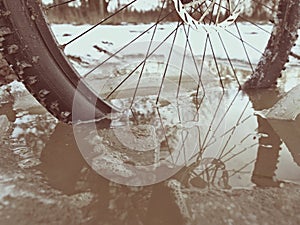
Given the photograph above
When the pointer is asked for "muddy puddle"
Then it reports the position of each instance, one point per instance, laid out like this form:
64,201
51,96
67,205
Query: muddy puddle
226,144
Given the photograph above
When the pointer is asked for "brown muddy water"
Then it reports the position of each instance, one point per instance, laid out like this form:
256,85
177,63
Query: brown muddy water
236,153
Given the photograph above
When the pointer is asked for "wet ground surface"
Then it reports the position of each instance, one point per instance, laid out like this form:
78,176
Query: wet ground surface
253,179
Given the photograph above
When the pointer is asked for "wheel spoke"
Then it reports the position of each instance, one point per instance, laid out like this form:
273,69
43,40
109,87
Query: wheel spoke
244,47
203,60
244,42
58,4
141,63
199,74
183,63
147,54
129,43
229,60
216,62
168,61
214,118
165,134
99,23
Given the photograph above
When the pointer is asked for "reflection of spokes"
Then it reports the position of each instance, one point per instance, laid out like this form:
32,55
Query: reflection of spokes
205,118
228,147
209,173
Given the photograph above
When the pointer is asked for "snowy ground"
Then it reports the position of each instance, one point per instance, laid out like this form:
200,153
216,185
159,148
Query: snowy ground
111,38
98,45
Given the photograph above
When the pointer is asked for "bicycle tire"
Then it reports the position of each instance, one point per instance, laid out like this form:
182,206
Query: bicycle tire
279,46
42,66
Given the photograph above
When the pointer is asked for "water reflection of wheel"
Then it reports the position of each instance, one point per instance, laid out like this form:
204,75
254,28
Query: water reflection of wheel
207,173
42,64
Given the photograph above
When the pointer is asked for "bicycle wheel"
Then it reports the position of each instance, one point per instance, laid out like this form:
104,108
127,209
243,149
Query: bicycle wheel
209,42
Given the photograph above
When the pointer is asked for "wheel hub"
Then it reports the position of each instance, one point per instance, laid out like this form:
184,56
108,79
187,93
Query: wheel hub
204,13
